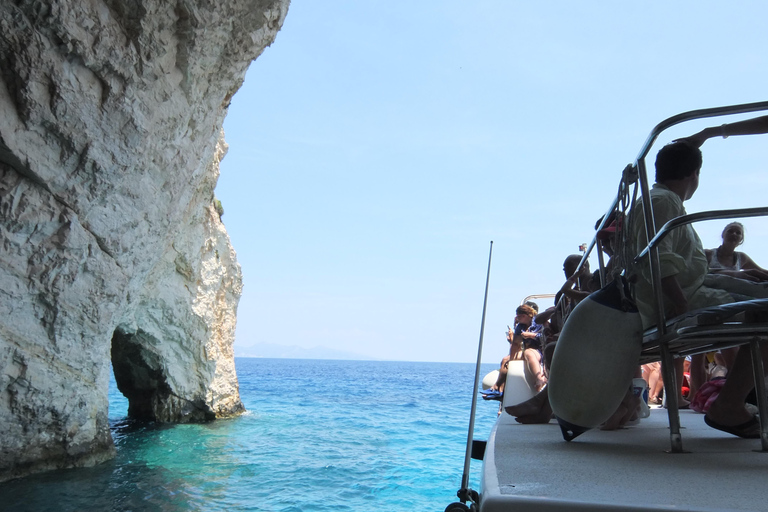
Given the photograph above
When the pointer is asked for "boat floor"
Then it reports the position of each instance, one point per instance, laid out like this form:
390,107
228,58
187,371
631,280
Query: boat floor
531,467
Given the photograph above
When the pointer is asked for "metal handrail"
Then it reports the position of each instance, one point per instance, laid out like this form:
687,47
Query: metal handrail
655,263
639,163
651,250
744,108
538,296
696,217
650,225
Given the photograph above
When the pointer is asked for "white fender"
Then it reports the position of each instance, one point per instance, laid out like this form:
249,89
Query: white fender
595,358
516,390
490,379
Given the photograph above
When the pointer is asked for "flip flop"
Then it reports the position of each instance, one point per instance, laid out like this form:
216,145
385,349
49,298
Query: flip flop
492,395
747,430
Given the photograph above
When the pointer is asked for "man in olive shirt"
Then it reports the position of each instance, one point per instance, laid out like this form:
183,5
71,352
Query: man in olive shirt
684,278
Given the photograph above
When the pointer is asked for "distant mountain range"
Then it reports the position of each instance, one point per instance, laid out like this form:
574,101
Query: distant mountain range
270,350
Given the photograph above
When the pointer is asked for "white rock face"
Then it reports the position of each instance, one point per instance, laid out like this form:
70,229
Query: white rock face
110,138
172,350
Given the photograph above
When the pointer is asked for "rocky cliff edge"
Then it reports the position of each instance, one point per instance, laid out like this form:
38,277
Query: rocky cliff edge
112,247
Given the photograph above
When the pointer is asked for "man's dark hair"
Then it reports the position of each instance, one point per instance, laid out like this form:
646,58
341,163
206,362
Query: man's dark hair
570,264
676,161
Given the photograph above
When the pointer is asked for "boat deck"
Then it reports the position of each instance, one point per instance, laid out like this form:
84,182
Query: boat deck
531,467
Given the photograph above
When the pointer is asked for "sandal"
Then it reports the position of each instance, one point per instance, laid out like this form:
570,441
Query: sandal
748,430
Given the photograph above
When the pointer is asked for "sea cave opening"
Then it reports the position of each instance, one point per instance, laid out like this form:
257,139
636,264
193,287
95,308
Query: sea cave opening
138,374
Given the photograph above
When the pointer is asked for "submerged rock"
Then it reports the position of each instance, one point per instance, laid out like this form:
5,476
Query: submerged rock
112,243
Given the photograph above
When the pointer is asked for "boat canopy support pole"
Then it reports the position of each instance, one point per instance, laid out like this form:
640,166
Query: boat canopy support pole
671,395
667,360
762,402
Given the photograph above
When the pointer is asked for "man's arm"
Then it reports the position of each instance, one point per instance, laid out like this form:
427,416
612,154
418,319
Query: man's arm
748,263
754,126
568,290
548,313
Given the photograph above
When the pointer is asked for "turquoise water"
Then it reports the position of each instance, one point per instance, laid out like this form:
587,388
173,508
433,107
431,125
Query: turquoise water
318,435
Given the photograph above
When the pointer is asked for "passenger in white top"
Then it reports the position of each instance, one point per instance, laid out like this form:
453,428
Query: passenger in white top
726,260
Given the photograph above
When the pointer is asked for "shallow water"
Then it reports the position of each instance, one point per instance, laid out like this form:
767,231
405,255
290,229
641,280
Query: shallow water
318,435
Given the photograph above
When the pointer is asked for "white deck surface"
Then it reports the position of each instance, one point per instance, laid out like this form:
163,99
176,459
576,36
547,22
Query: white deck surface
531,468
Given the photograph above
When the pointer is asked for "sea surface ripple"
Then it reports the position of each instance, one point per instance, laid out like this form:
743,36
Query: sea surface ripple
319,435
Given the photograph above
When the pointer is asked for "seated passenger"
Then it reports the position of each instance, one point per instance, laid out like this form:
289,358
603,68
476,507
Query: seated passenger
537,409
573,291
726,260
604,239
516,341
528,336
576,286
684,269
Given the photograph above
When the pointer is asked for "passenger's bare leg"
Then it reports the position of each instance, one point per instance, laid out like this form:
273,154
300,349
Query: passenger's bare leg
533,410
652,373
626,411
502,378
698,374
647,370
657,389
728,408
727,357
534,372
679,373
677,387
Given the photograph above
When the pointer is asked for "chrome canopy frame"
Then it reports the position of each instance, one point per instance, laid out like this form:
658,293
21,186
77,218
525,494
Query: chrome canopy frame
637,170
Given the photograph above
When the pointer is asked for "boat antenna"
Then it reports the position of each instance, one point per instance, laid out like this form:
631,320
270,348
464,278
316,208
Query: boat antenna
465,493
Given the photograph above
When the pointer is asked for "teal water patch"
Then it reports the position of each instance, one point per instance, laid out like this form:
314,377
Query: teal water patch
318,436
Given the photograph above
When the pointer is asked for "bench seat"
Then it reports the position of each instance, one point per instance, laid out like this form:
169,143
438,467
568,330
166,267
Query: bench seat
708,329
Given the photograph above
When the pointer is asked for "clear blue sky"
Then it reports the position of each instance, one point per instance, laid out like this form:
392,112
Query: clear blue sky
377,147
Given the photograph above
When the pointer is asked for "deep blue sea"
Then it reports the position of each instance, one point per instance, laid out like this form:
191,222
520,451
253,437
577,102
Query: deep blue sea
319,435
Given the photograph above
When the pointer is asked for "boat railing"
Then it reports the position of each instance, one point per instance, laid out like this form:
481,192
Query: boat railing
667,356
537,296
667,228
637,170
669,339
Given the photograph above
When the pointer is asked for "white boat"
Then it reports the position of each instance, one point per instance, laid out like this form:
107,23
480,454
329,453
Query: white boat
645,466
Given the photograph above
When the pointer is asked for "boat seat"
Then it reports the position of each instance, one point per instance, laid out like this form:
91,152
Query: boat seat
708,329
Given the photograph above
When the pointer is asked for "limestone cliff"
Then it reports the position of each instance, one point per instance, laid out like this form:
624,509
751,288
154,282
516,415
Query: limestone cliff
112,249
